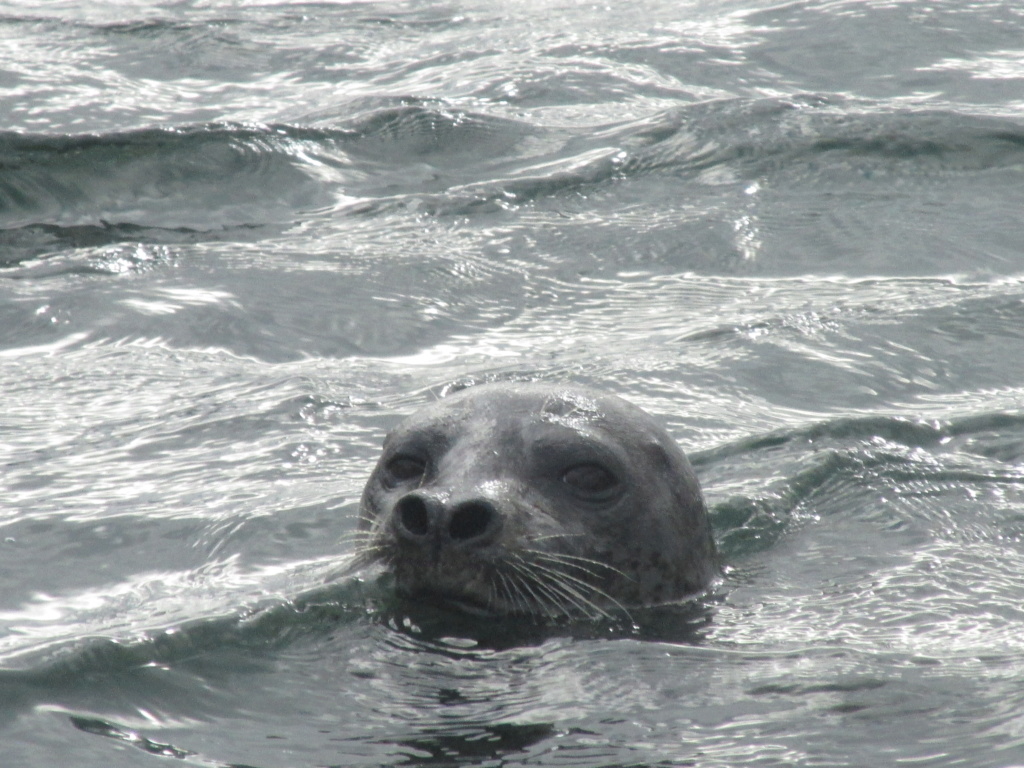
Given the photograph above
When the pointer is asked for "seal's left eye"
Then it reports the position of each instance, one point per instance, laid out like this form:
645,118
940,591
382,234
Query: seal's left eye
590,480
402,469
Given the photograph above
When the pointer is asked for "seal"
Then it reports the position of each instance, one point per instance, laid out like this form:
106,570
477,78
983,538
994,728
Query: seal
526,498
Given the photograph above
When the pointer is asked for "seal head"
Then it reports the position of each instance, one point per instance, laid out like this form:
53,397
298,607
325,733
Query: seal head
537,499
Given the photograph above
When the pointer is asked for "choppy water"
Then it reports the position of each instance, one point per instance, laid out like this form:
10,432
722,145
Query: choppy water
239,240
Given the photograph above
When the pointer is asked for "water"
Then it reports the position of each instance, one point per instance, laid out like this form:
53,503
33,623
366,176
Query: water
238,241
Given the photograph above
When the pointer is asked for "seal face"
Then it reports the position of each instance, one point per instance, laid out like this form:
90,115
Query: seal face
537,499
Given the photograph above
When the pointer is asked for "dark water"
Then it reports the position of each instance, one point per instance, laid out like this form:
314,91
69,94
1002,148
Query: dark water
238,241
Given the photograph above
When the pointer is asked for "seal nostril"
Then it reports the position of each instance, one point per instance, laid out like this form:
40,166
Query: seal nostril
413,515
471,520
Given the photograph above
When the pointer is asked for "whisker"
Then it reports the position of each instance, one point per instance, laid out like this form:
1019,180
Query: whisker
515,597
562,557
555,561
492,590
548,536
528,583
557,597
564,584
585,585
357,537
368,545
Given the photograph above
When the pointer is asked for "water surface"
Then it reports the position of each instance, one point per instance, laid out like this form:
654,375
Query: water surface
240,240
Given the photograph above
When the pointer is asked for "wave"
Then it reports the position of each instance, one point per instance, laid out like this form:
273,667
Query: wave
216,181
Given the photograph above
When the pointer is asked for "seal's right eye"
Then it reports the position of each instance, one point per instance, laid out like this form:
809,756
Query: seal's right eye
403,469
591,480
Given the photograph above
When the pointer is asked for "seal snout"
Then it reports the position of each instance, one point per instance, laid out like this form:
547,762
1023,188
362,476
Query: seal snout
424,518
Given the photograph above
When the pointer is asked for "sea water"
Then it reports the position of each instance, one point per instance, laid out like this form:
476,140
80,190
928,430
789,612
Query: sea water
240,240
